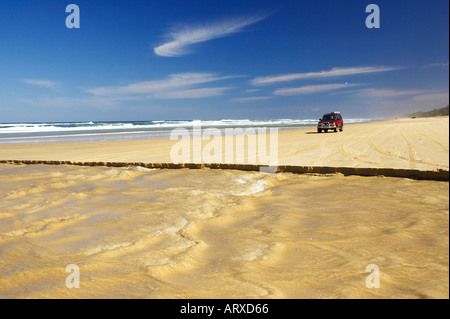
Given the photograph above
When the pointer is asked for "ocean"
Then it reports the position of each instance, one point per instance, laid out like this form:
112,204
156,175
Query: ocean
94,131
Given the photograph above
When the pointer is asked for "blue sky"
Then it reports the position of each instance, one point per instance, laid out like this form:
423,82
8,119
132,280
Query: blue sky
186,59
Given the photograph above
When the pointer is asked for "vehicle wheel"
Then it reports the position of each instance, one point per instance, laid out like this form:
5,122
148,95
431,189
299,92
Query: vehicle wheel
342,128
335,130
319,130
326,131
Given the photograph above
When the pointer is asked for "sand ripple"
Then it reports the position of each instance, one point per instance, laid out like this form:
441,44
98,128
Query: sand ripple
139,233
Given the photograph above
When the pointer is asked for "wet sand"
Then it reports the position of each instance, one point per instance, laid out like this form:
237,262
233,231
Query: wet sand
140,233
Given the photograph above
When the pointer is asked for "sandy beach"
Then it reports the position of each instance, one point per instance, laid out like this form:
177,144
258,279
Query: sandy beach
252,154
150,233
421,144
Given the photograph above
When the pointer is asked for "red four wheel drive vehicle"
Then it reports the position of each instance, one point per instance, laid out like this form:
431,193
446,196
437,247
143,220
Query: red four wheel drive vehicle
331,121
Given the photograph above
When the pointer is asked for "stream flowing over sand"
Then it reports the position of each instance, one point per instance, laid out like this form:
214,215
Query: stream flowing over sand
140,233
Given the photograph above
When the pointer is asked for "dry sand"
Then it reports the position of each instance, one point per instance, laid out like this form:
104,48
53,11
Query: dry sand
421,144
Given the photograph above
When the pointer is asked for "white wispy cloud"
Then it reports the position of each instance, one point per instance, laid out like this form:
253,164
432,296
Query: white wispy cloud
390,93
175,86
334,72
192,93
173,81
61,102
251,99
180,39
402,103
312,89
429,100
437,65
42,83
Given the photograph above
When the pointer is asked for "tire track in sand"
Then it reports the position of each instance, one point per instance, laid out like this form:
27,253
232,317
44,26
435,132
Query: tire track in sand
446,149
322,155
411,159
354,158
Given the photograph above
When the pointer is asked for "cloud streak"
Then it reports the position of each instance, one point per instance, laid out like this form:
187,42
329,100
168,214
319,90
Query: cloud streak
251,99
42,83
175,86
334,72
192,93
312,89
437,65
182,38
390,93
